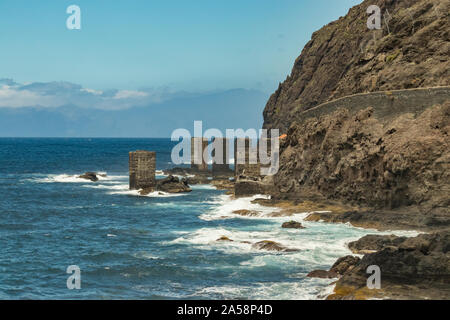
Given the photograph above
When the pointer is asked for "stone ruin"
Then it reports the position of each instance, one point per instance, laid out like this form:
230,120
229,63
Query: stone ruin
221,167
246,158
198,148
142,166
247,170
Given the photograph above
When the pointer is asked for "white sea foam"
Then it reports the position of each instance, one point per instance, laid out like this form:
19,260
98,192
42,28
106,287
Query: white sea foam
155,194
144,255
324,293
114,183
319,245
75,178
314,247
122,187
295,290
226,205
62,178
203,187
160,173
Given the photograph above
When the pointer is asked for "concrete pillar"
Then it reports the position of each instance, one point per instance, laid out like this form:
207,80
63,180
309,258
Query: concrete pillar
142,166
220,165
242,150
198,146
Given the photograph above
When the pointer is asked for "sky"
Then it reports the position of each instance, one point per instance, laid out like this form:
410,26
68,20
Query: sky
143,68
180,45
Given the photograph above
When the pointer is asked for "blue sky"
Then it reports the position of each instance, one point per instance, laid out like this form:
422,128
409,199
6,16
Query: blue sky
197,45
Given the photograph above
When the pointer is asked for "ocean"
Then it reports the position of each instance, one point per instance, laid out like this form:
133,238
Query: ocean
143,247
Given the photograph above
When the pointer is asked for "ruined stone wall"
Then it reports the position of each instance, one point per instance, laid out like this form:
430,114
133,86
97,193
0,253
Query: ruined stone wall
142,166
242,150
198,147
221,166
386,104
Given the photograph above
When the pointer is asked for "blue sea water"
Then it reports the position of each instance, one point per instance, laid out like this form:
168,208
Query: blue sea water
142,247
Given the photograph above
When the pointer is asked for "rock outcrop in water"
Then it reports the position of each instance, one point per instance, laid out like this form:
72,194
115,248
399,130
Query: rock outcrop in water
247,213
170,184
272,246
92,176
292,225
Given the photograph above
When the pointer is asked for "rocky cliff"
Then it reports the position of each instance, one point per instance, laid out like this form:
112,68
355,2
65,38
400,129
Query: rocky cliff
357,158
380,150
345,57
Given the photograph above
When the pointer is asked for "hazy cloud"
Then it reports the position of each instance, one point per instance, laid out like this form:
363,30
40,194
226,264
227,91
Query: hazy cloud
56,94
125,94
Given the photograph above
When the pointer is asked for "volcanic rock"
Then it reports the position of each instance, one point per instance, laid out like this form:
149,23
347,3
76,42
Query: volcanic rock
92,176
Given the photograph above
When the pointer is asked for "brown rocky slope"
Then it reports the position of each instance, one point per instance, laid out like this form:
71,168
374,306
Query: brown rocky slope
345,57
357,159
359,134
390,150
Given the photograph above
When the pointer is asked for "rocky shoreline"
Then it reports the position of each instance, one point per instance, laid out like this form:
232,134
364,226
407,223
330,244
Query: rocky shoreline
366,120
411,268
365,117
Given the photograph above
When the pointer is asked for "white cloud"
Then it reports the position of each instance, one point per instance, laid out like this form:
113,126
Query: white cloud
127,94
96,92
56,94
14,98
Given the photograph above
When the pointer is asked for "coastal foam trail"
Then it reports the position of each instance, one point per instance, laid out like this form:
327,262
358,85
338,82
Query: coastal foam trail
319,245
226,205
308,289
178,236
75,178
117,184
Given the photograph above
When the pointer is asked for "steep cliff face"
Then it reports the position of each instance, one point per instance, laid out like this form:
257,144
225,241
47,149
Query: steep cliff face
345,57
361,160
385,150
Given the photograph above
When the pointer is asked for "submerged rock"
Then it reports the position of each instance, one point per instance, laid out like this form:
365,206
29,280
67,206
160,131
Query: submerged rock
170,184
292,225
92,176
247,213
224,238
272,246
